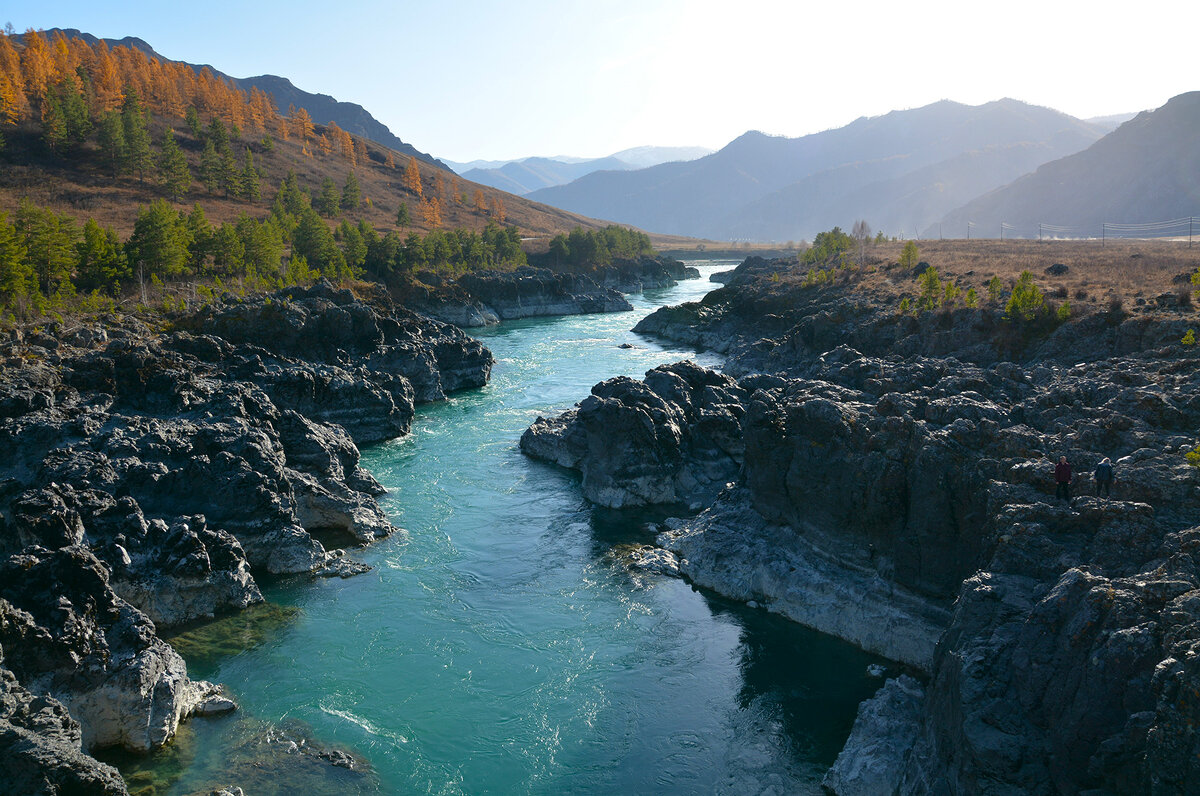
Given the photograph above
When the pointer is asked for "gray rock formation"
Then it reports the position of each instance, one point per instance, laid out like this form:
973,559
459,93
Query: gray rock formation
902,499
148,477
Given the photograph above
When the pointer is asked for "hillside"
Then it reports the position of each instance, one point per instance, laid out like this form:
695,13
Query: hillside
713,196
78,180
323,108
1144,171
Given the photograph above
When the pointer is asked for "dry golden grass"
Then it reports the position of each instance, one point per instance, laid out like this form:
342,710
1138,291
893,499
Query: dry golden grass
80,185
1133,272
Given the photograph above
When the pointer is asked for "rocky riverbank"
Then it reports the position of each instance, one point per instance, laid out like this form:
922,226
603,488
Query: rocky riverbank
150,476
891,482
482,298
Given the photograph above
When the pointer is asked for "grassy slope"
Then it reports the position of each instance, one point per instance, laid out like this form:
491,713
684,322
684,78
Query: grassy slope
81,185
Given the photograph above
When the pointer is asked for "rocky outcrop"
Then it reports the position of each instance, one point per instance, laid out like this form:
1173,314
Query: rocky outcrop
42,747
902,498
482,298
150,475
67,635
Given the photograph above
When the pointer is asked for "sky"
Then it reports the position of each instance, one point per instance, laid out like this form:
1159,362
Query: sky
467,79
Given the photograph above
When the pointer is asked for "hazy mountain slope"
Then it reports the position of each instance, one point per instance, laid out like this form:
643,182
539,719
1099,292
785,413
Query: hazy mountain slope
705,196
323,108
1146,170
888,195
530,174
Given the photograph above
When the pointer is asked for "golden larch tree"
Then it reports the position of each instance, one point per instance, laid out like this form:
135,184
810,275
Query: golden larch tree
412,177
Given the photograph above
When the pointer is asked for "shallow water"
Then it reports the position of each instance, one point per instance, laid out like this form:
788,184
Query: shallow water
501,645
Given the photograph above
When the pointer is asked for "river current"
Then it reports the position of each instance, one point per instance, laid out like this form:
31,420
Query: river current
501,645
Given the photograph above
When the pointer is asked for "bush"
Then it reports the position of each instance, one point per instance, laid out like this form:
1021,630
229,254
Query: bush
905,306
972,299
1193,456
1026,299
1189,339
994,286
1064,312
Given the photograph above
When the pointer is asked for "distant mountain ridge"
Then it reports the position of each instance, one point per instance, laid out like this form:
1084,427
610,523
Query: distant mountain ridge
525,175
351,117
1144,171
766,187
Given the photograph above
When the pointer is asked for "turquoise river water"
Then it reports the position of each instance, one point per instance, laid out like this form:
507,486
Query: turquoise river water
500,645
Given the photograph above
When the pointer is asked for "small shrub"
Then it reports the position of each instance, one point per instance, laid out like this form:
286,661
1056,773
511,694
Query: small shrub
1184,298
972,298
1026,299
1064,312
905,306
950,294
995,287
1116,305
1080,294
1193,456
1189,339
932,293
1061,292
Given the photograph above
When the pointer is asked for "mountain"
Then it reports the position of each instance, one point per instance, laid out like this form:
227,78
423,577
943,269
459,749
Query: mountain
1144,171
1112,121
530,174
323,108
775,188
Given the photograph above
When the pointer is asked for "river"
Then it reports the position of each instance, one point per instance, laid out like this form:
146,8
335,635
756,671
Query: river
501,645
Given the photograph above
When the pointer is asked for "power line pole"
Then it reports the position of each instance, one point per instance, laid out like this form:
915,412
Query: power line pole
1103,233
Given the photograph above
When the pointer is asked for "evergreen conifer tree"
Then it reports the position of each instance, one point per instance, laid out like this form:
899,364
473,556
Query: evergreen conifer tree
328,199
112,139
250,185
173,171
137,139
351,194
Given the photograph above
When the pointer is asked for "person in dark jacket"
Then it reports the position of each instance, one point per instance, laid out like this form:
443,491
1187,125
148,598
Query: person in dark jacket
1062,479
1104,477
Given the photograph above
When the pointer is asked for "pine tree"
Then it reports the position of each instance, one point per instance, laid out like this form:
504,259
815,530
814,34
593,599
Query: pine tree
210,167
137,139
54,125
101,263
49,241
227,173
17,280
156,247
173,171
250,181
403,219
351,194
192,118
329,199
218,134
112,139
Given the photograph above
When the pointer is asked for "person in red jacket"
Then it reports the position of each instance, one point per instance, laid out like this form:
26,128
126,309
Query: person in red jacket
1062,479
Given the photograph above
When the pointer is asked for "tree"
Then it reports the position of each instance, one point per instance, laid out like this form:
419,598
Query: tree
112,139
313,241
403,218
101,263
559,249
249,179
412,177
137,139
861,232
156,247
210,167
910,255
49,241
351,194
173,171
329,199
192,119
17,280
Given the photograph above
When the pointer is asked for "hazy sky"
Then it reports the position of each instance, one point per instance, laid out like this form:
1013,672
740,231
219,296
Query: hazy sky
465,80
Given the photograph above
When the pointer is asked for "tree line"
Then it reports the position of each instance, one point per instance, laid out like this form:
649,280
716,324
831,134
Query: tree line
48,262
597,247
